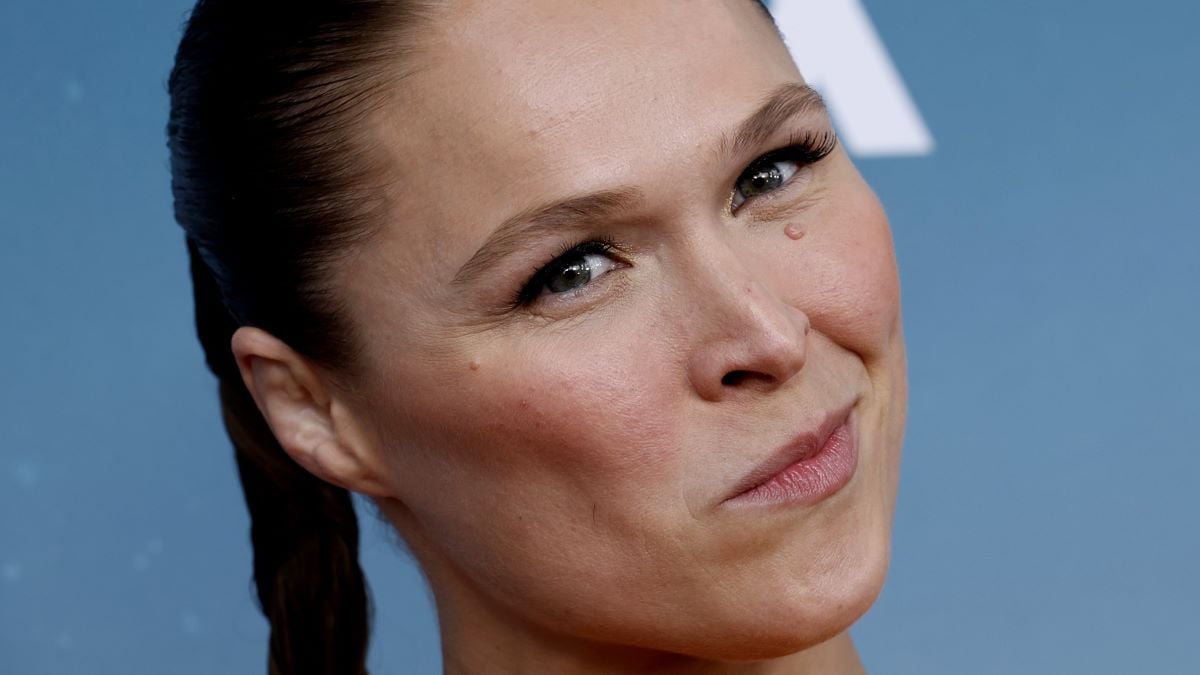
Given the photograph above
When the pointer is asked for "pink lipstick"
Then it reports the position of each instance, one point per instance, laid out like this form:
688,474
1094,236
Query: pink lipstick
814,466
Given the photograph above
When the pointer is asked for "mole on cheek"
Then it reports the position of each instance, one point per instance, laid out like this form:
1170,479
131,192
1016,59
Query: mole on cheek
794,231
474,364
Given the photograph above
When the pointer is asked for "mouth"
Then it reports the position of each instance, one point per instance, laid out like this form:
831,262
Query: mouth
813,466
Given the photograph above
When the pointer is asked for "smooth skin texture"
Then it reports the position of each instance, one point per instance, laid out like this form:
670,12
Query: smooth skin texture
559,466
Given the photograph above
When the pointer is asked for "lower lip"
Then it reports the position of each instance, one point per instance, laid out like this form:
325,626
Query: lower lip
811,479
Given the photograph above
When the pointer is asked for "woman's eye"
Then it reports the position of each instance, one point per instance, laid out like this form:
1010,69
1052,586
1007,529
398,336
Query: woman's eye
571,271
576,273
765,175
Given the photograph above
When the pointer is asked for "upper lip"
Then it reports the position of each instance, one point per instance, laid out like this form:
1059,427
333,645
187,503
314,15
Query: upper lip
803,445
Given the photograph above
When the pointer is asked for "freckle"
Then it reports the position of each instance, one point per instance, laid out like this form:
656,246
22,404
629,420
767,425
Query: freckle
794,231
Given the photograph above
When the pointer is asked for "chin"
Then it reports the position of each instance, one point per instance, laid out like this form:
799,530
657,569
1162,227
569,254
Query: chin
823,601
789,615
805,622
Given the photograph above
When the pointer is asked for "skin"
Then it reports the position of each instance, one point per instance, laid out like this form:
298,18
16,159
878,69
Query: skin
559,468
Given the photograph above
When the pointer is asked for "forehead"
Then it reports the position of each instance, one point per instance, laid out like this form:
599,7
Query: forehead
517,102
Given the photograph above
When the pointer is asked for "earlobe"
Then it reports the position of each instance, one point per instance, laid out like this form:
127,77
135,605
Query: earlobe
311,425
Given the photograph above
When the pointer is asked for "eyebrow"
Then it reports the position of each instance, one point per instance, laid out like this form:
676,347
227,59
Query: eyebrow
785,102
554,217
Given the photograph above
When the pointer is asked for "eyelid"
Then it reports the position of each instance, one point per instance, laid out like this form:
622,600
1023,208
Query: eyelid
531,290
806,148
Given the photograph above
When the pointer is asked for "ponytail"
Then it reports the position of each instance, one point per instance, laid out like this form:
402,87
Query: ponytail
275,176
304,531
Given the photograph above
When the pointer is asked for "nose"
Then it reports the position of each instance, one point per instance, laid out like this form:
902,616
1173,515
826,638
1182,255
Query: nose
754,341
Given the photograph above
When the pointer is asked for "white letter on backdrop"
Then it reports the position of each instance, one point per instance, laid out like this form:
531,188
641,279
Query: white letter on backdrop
840,54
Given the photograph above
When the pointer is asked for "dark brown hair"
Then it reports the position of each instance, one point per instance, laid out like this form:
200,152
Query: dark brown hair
275,180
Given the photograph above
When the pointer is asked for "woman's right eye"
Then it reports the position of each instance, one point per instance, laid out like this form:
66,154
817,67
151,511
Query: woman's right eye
570,271
578,273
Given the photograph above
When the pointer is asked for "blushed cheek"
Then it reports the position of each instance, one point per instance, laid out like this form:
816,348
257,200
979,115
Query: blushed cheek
855,297
596,410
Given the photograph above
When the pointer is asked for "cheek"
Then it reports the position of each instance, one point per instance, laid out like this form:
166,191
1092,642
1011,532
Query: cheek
561,442
583,406
568,416
846,280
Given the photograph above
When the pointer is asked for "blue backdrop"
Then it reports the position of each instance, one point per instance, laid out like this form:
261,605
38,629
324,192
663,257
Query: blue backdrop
1047,514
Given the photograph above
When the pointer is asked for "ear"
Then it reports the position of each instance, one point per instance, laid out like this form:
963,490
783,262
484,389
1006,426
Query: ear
307,415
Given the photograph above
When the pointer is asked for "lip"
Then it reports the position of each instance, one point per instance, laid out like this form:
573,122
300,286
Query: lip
813,466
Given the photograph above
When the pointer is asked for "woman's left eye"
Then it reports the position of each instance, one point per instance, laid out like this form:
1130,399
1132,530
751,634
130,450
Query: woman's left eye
776,169
764,175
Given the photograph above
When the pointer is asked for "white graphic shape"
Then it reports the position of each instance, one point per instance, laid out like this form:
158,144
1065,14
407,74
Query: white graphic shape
840,54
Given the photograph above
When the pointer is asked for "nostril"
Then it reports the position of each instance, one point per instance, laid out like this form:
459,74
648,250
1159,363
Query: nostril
744,378
735,377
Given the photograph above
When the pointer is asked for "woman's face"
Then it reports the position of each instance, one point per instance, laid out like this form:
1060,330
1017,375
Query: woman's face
560,440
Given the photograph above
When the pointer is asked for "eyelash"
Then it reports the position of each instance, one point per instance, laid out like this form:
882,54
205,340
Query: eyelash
805,149
533,288
809,147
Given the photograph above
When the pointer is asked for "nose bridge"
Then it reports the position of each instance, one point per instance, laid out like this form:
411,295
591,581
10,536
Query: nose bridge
744,333
729,282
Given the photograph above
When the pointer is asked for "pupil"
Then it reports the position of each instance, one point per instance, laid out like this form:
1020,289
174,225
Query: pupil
571,277
762,180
